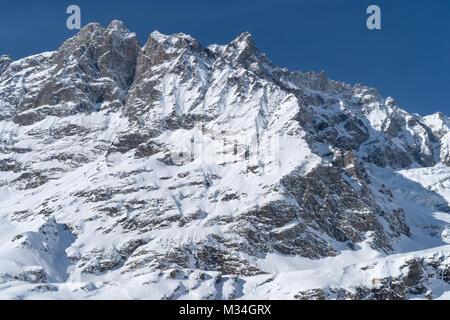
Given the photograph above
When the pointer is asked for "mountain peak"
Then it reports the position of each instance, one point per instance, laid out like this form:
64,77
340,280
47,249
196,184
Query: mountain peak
241,49
160,37
118,27
116,24
90,28
244,42
437,122
245,38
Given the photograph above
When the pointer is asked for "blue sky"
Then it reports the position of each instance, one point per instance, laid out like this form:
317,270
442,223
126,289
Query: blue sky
408,59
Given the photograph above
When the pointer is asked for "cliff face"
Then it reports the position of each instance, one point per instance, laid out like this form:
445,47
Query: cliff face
173,163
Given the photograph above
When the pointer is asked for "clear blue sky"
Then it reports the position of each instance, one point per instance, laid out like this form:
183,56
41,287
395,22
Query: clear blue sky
408,59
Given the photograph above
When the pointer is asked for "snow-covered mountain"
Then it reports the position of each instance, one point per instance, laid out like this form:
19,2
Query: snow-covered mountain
174,171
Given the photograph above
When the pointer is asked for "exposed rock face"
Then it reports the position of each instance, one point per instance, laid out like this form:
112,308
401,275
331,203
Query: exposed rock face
439,126
4,62
416,276
94,69
173,160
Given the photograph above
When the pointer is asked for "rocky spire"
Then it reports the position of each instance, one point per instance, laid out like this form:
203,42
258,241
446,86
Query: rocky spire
5,60
241,49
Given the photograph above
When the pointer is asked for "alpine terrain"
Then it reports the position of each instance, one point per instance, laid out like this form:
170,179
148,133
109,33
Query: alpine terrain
175,171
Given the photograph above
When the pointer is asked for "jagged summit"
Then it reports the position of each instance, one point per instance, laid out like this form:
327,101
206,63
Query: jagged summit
244,41
158,36
177,171
118,25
